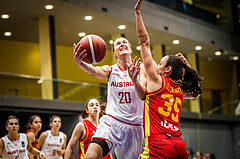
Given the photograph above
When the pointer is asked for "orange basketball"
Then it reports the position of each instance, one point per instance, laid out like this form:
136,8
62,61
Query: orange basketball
96,48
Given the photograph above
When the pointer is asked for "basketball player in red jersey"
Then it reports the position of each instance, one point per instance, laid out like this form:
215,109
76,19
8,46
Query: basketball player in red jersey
84,130
34,126
167,83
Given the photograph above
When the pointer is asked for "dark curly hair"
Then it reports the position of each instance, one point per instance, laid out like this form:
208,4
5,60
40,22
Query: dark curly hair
186,77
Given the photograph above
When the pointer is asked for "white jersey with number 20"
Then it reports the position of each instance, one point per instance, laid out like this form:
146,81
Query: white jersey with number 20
123,102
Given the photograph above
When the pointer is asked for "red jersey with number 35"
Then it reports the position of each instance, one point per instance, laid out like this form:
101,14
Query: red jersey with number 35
162,109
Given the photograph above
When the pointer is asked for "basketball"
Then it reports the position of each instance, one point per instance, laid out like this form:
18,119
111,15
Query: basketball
96,48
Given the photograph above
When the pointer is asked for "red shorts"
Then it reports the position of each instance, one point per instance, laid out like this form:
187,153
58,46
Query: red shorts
164,147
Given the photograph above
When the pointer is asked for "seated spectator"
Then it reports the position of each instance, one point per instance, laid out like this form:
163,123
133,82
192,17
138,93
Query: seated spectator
206,156
198,155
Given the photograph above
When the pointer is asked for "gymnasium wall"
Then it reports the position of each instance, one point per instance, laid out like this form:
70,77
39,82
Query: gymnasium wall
23,58
19,57
221,77
209,137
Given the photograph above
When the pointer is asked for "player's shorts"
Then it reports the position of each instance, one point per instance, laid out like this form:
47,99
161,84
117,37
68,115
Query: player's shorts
164,147
125,138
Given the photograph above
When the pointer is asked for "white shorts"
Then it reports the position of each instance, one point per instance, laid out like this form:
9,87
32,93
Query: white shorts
126,139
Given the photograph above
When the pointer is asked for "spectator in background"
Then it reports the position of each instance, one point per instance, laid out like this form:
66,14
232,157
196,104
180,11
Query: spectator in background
34,126
53,142
198,155
206,156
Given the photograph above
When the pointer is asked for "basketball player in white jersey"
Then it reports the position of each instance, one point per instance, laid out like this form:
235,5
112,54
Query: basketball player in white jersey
53,142
121,129
16,145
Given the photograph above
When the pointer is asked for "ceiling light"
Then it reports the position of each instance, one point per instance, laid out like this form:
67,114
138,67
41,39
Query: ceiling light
4,16
218,16
218,53
88,17
138,48
49,7
110,41
198,47
235,58
121,27
7,33
176,41
82,34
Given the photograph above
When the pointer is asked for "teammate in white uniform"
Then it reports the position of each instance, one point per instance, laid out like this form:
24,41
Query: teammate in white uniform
121,128
16,145
16,148
53,142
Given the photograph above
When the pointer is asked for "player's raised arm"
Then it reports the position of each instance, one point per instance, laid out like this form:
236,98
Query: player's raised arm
79,54
144,41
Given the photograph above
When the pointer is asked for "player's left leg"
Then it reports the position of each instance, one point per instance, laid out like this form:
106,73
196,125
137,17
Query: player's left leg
94,151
